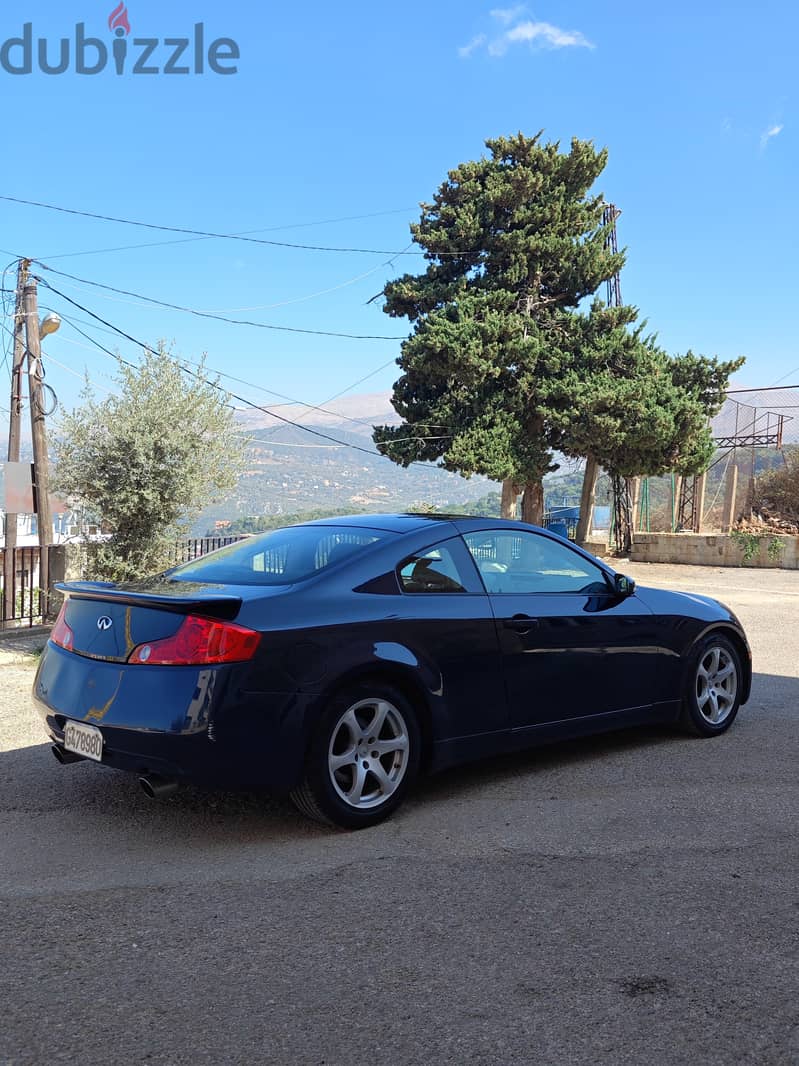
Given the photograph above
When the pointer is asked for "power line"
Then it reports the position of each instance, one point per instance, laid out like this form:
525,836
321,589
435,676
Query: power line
137,299
45,386
75,344
239,233
141,301
290,400
219,388
303,299
69,370
100,329
7,295
242,381
206,233
215,385
283,444
207,314
329,447
776,384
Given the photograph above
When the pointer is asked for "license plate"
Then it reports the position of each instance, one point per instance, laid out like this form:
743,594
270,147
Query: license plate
84,740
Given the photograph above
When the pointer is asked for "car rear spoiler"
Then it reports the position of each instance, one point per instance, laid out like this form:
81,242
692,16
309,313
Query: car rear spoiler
190,599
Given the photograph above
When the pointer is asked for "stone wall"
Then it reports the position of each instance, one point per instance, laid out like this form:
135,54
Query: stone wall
720,549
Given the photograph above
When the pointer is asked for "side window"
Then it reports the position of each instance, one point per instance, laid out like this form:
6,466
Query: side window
511,562
433,570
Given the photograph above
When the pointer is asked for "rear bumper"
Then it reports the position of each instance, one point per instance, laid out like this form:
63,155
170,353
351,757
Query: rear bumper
194,725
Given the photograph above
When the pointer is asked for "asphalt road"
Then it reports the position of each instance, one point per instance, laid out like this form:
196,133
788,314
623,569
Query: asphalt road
631,899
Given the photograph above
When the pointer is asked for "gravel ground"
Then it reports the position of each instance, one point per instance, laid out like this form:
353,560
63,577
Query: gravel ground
627,899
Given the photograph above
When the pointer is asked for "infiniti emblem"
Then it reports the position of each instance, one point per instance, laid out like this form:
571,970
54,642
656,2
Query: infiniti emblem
104,622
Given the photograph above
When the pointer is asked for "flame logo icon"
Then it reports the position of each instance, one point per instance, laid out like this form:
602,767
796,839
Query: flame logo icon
118,20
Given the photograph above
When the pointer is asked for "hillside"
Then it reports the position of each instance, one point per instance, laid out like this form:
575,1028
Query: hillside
292,470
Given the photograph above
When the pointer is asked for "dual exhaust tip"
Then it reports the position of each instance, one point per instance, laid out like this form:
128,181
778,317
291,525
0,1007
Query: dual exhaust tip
152,785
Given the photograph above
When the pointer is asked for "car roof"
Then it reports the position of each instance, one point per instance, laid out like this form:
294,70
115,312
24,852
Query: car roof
390,523
410,522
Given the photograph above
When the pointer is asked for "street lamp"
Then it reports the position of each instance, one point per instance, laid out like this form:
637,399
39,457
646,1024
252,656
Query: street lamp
49,324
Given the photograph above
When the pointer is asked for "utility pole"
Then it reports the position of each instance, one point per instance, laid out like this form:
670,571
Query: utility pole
14,432
41,466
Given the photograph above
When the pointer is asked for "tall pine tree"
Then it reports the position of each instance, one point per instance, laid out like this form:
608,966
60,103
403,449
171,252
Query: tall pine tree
632,407
503,369
515,242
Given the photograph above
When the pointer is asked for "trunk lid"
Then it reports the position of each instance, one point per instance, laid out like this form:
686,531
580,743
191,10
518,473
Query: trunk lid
108,621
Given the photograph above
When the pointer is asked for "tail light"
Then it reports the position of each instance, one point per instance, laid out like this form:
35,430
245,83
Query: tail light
198,642
62,634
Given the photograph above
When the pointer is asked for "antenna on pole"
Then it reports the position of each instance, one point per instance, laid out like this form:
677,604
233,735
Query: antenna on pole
609,216
623,507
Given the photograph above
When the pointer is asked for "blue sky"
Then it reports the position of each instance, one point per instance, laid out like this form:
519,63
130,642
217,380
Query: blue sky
359,109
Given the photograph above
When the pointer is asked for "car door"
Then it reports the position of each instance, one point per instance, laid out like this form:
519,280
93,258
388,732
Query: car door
571,646
446,617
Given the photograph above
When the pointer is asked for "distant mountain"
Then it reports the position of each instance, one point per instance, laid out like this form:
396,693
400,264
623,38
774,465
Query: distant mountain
357,414
292,469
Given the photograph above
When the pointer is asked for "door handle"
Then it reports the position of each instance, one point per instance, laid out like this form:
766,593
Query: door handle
521,623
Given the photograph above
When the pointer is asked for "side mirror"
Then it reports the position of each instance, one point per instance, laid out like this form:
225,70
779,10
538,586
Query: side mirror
625,586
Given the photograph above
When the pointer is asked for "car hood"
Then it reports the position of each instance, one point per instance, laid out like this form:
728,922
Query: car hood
666,601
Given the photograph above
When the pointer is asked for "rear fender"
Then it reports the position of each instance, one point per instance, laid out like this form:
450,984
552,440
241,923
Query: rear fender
395,665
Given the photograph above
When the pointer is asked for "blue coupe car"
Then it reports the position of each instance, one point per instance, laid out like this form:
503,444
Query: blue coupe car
335,661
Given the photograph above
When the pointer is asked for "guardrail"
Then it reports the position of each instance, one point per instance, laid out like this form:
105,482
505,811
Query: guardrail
194,547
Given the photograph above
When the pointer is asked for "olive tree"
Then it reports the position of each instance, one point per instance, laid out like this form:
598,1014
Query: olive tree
147,460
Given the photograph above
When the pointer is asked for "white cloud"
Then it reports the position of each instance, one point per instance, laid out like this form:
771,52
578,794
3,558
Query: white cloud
507,15
543,33
530,32
475,42
772,131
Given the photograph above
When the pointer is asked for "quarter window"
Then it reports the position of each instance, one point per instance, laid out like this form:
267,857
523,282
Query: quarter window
520,562
434,570
281,557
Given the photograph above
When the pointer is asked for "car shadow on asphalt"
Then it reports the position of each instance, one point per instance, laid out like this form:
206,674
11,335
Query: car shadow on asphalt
773,695
31,781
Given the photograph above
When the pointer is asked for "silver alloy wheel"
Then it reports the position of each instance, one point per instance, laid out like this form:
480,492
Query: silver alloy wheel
368,753
716,684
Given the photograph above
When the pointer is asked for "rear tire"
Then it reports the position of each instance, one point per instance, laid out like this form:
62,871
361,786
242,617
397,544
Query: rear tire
363,758
713,685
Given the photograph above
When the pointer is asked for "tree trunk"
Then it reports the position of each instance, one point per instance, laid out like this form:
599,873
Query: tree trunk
533,502
509,494
587,499
635,502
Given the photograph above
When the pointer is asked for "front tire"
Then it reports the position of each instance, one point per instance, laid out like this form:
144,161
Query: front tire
363,758
713,687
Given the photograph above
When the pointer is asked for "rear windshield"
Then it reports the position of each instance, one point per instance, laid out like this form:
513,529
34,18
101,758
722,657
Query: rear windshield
279,558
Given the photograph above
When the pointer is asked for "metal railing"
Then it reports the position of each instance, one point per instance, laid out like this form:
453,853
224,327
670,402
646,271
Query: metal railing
20,595
562,520
194,547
